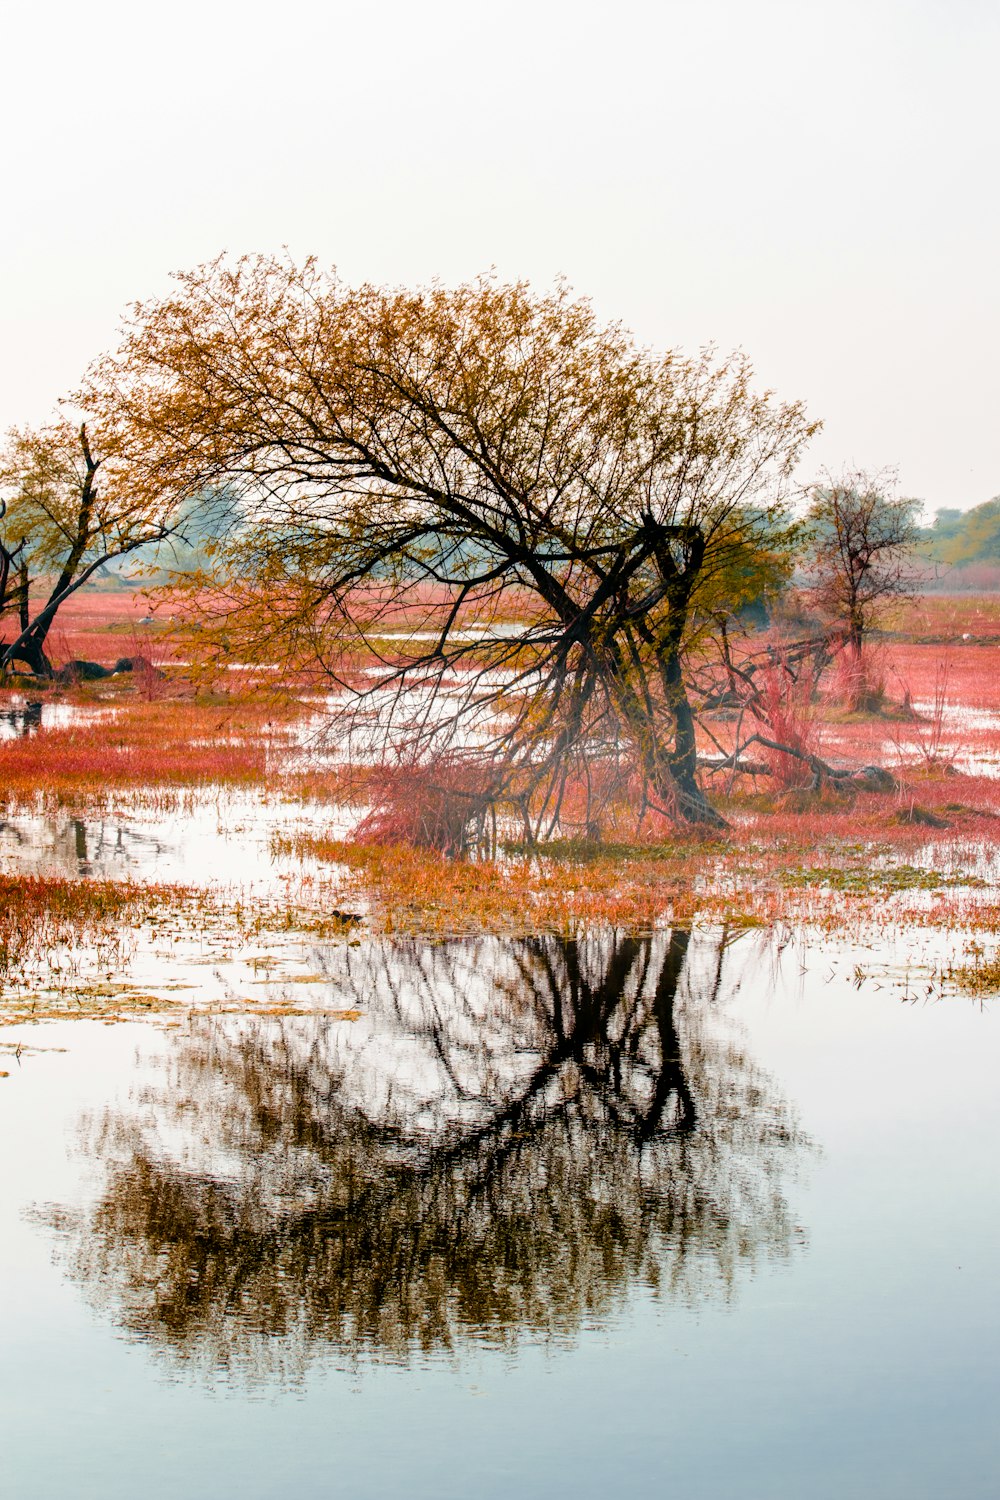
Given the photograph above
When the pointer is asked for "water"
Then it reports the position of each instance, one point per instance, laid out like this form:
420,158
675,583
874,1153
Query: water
20,718
229,936
214,838
679,1215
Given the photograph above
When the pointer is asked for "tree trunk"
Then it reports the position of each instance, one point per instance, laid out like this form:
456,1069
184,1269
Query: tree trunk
31,649
23,595
683,759
671,771
31,652
674,773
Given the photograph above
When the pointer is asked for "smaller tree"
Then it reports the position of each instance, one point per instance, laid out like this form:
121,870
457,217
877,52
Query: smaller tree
60,526
859,545
13,570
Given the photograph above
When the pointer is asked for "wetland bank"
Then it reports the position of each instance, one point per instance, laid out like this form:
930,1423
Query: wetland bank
498,965
336,1155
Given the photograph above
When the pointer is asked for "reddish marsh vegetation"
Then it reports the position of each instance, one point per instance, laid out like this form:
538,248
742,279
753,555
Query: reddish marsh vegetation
136,744
103,626
234,732
431,806
920,855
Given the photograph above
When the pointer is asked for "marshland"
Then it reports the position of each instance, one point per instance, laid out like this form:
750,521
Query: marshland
325,1095
499,752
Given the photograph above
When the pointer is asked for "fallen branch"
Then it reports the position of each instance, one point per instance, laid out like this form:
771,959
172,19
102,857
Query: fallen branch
710,764
865,778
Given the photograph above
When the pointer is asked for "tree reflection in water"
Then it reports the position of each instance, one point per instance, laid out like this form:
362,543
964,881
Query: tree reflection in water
510,1137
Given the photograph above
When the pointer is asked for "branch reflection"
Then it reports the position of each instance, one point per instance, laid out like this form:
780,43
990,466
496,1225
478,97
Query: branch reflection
509,1138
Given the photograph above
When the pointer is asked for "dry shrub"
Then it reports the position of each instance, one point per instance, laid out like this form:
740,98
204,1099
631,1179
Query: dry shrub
39,914
784,705
925,734
433,804
599,794
859,678
147,655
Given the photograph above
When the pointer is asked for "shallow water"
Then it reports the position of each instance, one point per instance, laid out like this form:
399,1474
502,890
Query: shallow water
227,848
22,717
215,836
677,1215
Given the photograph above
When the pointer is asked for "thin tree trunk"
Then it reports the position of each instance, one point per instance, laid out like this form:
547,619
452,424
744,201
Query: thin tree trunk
671,771
23,595
35,643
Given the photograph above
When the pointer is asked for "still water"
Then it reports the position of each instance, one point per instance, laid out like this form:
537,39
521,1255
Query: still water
678,1215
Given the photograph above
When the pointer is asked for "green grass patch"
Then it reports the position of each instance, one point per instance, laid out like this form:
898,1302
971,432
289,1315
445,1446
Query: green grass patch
862,880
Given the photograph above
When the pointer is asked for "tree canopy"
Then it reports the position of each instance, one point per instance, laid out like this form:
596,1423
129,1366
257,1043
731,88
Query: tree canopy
444,457
959,537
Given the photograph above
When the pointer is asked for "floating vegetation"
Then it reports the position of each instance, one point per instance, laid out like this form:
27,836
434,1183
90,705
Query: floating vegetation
97,948
863,880
981,974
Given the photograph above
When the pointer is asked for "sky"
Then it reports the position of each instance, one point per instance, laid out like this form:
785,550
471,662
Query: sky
813,183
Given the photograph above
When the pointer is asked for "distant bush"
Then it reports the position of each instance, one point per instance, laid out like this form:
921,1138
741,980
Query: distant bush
962,538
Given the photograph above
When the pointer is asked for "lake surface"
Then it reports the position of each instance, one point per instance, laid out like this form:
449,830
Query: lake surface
684,1215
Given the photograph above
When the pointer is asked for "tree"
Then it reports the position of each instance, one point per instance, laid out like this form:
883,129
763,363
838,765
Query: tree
68,526
480,455
860,545
12,562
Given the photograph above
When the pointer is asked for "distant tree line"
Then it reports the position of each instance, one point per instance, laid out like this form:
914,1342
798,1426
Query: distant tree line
958,538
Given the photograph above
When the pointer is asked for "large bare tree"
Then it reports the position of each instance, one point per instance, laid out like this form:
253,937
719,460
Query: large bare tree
483,456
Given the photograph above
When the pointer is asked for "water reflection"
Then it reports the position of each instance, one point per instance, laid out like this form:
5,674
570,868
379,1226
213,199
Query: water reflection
509,1138
107,847
210,836
20,719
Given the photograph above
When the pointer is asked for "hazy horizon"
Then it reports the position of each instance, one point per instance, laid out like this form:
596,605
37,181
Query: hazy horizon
810,184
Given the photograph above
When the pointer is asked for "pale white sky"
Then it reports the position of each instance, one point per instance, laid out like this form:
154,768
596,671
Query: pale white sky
814,182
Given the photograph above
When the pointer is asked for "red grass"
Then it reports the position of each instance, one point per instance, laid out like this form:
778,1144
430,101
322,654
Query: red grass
859,678
784,701
239,740
103,626
428,806
142,744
